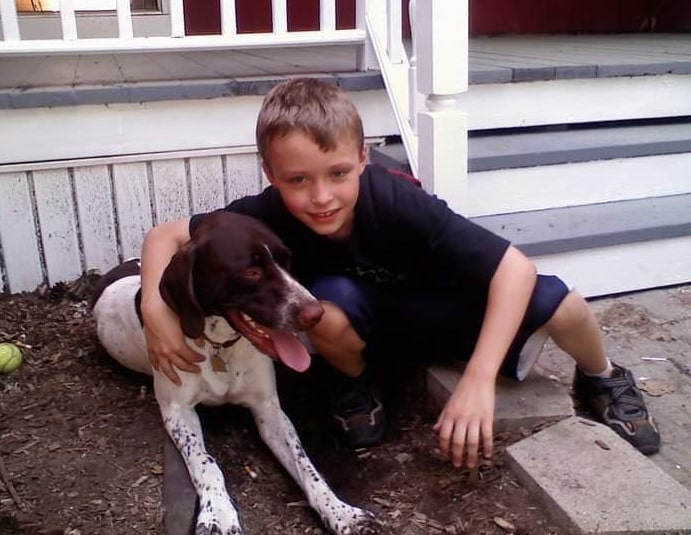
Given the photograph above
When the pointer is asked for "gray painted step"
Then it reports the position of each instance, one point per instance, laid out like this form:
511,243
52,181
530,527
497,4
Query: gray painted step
513,150
560,230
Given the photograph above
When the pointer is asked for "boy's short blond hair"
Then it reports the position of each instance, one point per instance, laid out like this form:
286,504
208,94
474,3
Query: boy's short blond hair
319,109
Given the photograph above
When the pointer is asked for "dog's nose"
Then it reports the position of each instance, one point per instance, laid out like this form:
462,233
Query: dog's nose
310,315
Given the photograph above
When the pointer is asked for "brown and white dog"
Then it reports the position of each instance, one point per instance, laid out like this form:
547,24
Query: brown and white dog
230,285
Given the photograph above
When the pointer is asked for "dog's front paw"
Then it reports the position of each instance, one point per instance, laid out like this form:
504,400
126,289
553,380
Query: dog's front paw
356,522
217,520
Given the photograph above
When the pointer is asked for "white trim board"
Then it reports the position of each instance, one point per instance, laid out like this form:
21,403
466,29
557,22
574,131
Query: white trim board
74,132
622,268
576,101
507,191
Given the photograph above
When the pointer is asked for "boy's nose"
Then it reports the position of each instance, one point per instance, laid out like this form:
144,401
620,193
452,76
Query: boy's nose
321,193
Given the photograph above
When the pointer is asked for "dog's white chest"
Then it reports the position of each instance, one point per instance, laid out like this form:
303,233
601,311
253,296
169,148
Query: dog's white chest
235,375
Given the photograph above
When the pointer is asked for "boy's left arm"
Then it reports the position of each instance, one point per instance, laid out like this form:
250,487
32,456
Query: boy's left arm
467,419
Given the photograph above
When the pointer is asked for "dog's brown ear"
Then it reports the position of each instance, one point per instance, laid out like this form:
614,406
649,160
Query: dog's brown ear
177,290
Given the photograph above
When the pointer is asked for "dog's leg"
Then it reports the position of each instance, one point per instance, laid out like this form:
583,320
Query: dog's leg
217,513
279,434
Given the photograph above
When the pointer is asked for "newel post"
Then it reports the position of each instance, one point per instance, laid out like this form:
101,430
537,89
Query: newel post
442,76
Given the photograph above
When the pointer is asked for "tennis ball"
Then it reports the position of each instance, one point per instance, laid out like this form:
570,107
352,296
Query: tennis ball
10,358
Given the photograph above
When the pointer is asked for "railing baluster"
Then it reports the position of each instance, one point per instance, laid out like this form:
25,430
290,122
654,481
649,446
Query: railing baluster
394,36
327,15
177,18
10,22
124,19
413,94
366,59
442,47
279,9
229,23
68,20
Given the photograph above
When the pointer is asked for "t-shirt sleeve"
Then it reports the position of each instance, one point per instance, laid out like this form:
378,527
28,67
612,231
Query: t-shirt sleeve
452,248
262,206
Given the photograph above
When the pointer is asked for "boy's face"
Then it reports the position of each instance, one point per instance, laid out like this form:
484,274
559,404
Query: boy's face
319,188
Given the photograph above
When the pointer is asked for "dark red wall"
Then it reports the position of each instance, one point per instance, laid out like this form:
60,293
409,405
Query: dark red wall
486,16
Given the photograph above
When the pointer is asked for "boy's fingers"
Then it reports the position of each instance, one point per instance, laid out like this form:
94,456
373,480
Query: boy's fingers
169,372
458,445
487,440
472,444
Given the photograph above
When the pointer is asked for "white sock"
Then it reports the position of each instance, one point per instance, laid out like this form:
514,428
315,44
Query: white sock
607,372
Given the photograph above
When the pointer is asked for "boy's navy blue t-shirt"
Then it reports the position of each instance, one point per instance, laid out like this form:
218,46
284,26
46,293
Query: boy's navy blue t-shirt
401,235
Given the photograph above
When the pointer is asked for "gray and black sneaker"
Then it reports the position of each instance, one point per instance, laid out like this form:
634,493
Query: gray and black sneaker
617,402
358,413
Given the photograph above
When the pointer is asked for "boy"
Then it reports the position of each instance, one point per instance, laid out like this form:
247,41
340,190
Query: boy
400,275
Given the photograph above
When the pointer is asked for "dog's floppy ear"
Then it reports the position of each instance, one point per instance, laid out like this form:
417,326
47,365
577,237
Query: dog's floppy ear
177,290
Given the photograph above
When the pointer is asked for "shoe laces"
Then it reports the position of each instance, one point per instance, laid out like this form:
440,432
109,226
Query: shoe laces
626,398
355,402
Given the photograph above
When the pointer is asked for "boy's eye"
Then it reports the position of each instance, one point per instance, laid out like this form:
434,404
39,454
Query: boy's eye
297,180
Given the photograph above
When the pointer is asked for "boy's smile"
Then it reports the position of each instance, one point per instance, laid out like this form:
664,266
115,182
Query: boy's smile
319,188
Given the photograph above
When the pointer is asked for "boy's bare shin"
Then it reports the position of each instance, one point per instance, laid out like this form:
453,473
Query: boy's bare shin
335,339
575,330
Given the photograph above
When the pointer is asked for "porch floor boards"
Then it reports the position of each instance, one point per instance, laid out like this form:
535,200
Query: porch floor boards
104,78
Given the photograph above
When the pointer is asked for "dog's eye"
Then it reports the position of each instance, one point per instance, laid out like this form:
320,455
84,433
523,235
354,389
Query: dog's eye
252,273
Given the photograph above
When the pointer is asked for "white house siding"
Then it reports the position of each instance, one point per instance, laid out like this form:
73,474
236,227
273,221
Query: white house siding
56,223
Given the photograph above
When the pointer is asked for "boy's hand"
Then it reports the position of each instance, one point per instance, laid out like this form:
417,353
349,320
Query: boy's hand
466,421
166,344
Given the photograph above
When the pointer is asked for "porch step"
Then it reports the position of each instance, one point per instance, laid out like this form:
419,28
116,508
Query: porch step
561,230
560,144
607,208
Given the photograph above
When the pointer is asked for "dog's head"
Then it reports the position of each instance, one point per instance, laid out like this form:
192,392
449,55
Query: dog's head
235,267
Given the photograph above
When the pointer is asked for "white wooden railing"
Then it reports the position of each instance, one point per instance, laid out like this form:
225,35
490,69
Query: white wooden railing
125,39
424,89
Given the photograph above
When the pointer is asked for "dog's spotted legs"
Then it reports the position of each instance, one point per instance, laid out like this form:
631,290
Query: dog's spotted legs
217,514
280,435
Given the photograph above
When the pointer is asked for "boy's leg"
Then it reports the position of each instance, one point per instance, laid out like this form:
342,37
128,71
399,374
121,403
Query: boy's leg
608,391
335,339
338,338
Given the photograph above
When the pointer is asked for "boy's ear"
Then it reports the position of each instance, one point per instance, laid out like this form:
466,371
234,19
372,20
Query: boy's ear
364,157
267,173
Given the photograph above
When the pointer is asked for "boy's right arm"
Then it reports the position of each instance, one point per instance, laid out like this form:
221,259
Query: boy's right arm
164,338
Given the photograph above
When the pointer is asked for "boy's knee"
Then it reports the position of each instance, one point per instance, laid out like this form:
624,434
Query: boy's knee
335,289
549,297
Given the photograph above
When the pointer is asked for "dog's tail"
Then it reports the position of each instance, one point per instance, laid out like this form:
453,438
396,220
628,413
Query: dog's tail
126,269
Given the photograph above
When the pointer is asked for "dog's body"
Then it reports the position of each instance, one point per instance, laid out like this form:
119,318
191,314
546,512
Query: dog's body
234,370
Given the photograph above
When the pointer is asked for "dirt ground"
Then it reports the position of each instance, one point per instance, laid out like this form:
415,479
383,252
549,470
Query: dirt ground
81,447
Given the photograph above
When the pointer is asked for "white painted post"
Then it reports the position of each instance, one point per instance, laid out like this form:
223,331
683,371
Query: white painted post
229,23
177,18
366,59
279,11
394,32
327,15
413,94
10,22
124,19
68,20
442,46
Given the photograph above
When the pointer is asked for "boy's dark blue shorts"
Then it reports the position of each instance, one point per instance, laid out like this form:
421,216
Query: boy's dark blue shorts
435,325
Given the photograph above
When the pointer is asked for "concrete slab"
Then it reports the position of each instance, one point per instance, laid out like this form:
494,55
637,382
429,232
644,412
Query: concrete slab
535,400
592,481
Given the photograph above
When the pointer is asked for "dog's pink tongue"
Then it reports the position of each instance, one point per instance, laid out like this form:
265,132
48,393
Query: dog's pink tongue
291,351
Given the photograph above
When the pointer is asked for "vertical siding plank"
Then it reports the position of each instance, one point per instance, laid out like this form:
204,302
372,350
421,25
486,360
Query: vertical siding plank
58,224
243,176
18,234
206,176
132,205
96,218
170,190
